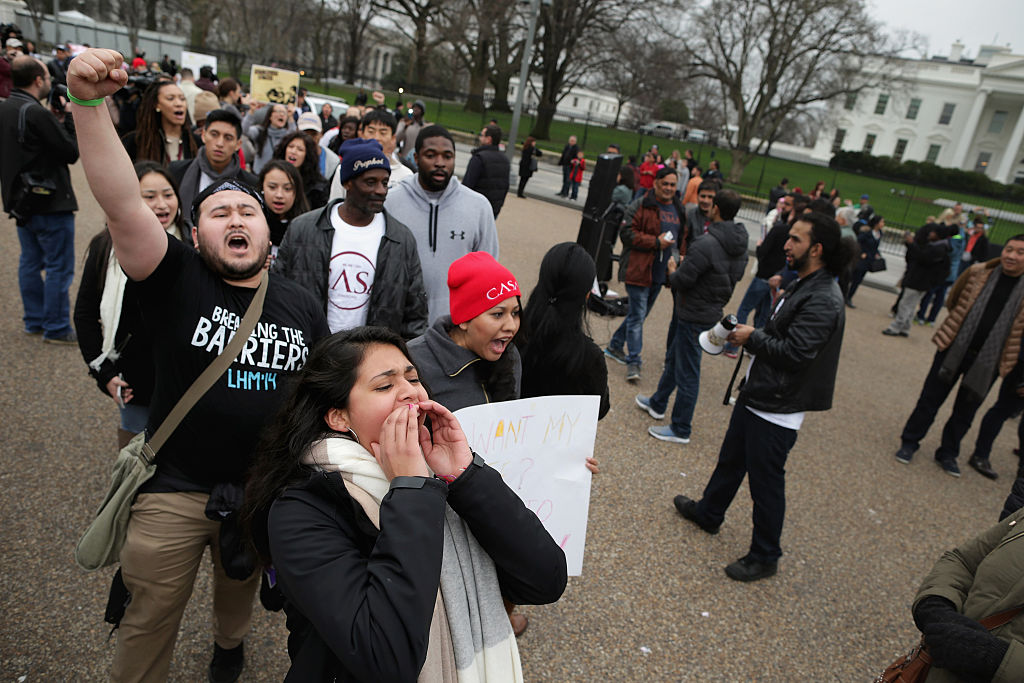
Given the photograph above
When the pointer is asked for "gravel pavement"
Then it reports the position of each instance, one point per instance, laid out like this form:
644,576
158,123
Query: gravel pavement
653,603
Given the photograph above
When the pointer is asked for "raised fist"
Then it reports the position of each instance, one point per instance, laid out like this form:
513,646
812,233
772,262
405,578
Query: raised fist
96,73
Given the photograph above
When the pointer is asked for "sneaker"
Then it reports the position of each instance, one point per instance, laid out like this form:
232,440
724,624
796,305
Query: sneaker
748,569
687,507
617,355
920,321
949,466
849,303
67,339
904,455
731,354
644,403
633,373
226,665
34,333
889,332
665,433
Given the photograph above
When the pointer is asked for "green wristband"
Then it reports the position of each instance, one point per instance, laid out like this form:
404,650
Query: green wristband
85,103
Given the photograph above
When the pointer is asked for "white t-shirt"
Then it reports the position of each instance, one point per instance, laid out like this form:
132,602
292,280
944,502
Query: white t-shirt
352,269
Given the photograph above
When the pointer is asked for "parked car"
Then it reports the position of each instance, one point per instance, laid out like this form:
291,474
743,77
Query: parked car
659,129
698,135
338,105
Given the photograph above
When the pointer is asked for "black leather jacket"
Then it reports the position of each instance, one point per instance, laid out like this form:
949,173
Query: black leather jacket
797,352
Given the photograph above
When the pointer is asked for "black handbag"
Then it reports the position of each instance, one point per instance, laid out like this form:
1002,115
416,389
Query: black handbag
876,265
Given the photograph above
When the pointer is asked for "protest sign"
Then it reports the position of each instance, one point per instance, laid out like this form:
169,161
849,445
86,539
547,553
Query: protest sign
540,446
196,61
275,86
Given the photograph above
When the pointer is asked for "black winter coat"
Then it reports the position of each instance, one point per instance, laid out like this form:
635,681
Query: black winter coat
398,299
48,148
359,601
702,284
927,264
770,255
487,173
797,352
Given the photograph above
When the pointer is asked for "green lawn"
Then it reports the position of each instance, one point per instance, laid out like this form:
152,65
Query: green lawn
903,205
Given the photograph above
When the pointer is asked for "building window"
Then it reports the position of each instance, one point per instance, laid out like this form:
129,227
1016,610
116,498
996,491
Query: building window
575,102
995,126
901,147
982,163
933,154
915,106
883,102
837,142
947,113
869,142
851,101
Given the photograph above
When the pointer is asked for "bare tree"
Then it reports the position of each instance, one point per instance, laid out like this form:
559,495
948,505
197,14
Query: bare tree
569,47
356,16
773,58
506,55
422,14
634,73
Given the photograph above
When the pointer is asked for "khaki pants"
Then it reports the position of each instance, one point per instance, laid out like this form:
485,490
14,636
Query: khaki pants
167,535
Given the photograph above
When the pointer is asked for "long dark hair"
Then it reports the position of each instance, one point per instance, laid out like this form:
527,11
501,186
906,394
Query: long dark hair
261,138
627,178
555,313
102,240
149,142
301,204
310,168
324,382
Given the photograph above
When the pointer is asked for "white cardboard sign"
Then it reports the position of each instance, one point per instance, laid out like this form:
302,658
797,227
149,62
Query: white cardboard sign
540,446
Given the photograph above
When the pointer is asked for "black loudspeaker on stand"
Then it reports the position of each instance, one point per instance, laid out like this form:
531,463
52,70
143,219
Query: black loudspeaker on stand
599,228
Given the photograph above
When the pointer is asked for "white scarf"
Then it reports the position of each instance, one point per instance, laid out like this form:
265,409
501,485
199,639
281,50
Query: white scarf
114,283
484,646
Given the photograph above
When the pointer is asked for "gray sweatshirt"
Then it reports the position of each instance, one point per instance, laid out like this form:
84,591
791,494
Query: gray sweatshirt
446,228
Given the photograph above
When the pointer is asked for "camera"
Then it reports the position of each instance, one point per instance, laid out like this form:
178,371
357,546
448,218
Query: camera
58,97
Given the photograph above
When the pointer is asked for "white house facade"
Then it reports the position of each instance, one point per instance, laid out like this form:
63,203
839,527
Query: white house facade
951,111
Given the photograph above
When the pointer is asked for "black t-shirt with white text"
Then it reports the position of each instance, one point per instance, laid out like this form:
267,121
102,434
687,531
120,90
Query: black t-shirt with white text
192,313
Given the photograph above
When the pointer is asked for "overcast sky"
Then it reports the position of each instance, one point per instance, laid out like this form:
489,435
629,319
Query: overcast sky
974,22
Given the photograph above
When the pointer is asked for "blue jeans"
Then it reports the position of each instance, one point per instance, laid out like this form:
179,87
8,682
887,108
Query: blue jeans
682,373
134,417
630,334
756,447
574,189
758,299
47,244
935,296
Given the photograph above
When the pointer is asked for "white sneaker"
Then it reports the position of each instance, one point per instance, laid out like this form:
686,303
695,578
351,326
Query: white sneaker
665,433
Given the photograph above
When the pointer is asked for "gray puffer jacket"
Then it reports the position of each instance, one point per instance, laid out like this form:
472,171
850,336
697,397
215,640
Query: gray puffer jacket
398,299
714,263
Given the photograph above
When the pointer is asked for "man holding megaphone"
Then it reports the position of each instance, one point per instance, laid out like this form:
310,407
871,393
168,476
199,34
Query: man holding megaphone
796,355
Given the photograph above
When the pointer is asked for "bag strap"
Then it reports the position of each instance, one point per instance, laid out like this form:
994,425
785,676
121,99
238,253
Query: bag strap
1000,618
210,375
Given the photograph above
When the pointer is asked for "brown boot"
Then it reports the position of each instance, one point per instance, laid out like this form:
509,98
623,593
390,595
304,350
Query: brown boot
519,621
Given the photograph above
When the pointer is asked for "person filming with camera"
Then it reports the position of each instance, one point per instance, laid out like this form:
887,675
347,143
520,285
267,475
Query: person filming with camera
39,143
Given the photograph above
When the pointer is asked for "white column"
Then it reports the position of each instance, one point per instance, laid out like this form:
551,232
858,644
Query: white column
964,146
1012,154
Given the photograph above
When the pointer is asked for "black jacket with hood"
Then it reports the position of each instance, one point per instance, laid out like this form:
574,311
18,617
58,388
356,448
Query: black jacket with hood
702,284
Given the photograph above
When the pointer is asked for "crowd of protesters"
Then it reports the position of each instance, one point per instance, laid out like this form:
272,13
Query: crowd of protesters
386,308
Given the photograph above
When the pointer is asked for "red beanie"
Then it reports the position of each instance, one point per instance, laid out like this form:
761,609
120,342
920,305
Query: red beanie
476,282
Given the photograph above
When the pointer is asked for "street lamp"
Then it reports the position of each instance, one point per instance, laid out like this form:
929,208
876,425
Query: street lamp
524,73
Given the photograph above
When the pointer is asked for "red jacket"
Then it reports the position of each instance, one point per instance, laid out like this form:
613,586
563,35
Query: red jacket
647,171
576,167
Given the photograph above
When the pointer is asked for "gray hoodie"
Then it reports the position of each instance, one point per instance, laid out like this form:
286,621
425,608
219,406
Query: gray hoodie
714,263
446,228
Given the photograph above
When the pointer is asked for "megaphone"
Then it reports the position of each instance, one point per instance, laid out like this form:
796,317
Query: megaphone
713,340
